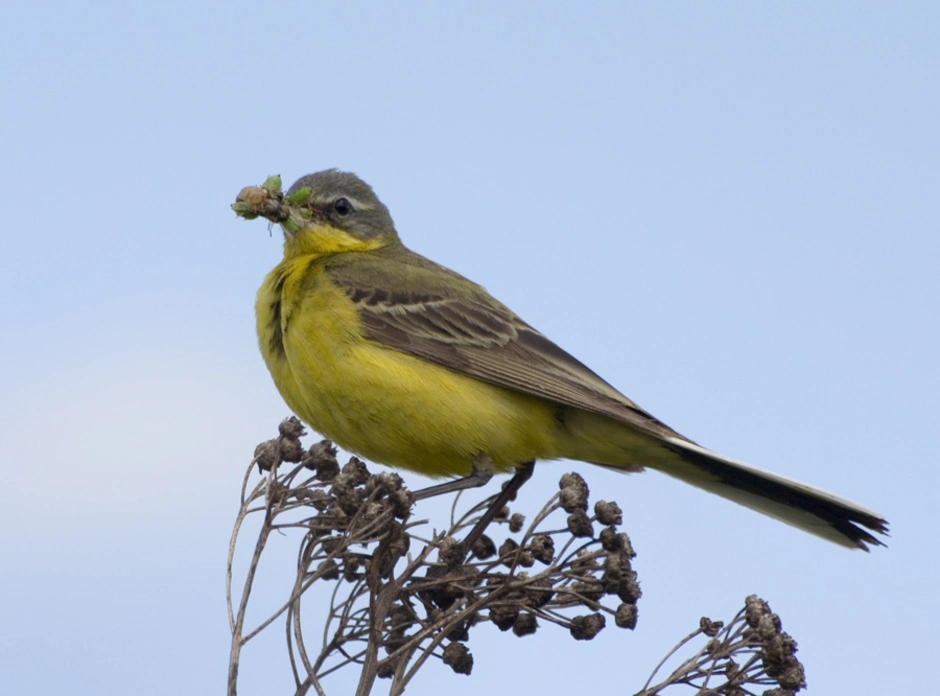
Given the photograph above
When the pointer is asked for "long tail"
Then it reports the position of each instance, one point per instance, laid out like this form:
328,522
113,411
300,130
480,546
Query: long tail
811,509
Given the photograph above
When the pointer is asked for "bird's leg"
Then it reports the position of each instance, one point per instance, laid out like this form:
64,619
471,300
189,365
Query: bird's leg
523,474
480,476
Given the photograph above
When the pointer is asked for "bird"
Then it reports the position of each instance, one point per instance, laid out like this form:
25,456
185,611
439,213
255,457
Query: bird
404,362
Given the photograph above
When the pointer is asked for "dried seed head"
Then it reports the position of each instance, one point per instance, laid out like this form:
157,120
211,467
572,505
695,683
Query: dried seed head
777,654
629,589
620,579
626,616
507,548
322,457
793,678
608,513
401,501
615,567
515,522
385,669
449,585
504,616
386,482
356,469
754,609
266,455
573,496
579,524
586,627
291,451
483,547
612,541
525,625
768,626
542,548
328,569
710,628
291,428
348,497
458,658
444,596
778,649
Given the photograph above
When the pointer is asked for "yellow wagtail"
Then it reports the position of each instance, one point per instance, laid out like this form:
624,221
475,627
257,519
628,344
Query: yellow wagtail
409,364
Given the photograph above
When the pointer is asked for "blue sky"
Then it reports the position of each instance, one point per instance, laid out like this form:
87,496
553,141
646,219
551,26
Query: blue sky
730,211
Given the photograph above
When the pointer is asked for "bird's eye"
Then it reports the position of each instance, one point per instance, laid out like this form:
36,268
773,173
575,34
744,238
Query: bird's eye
341,206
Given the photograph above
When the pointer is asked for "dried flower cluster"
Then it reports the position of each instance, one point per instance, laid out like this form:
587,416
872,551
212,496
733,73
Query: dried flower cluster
392,610
749,655
401,597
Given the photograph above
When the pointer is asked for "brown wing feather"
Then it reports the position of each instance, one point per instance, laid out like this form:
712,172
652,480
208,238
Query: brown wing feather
479,337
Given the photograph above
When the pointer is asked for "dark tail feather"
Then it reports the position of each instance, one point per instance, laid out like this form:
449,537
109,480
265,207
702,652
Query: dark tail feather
811,509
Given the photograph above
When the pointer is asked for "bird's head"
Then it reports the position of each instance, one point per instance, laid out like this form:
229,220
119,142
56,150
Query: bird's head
340,213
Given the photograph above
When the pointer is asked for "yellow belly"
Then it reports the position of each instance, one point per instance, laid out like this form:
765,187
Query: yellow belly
384,405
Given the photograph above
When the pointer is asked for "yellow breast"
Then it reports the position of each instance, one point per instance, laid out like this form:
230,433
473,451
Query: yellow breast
384,405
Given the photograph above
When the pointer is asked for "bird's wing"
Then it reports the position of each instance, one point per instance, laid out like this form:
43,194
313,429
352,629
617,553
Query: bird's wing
415,306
